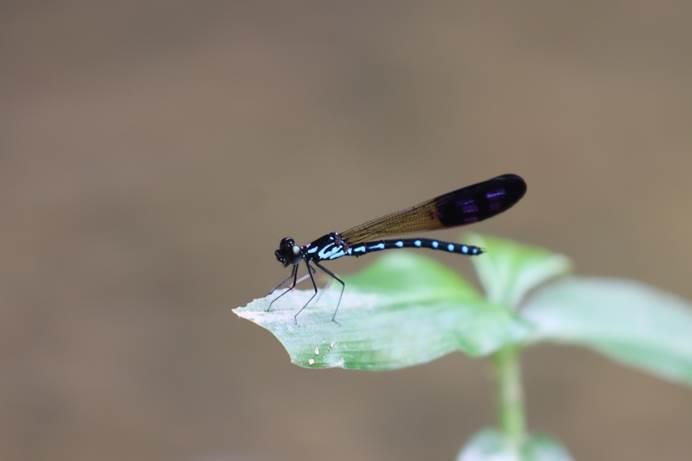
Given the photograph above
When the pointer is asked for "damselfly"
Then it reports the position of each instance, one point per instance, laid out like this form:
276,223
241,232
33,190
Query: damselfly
457,208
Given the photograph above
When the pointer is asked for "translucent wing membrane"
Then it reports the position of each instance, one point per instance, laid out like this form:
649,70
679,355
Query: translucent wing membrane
463,206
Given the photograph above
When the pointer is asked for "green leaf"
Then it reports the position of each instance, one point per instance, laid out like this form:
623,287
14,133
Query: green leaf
628,321
490,445
509,270
403,310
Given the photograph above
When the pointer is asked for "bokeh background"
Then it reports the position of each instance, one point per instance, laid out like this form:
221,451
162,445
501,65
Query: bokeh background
153,153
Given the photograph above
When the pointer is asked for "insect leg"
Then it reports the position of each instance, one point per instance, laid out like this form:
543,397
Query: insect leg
314,286
343,286
281,283
294,274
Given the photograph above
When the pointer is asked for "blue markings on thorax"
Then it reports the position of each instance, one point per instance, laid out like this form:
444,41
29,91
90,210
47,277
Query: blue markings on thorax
331,251
338,254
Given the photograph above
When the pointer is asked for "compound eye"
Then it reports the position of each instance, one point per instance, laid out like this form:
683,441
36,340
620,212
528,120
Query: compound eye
296,250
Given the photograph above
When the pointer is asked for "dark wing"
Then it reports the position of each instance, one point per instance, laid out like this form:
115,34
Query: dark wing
462,206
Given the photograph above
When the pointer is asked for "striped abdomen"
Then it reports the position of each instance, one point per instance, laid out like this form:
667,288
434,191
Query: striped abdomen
450,247
332,252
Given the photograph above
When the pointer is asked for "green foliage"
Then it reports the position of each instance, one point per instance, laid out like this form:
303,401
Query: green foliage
406,309
508,271
627,321
490,445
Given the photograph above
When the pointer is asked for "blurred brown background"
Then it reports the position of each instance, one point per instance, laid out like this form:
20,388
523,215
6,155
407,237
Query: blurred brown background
153,153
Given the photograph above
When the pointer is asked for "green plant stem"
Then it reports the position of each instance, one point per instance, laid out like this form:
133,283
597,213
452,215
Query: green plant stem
510,395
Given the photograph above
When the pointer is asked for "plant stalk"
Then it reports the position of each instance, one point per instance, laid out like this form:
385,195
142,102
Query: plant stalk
510,395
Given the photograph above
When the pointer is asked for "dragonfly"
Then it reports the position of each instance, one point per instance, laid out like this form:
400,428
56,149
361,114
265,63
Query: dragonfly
460,207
